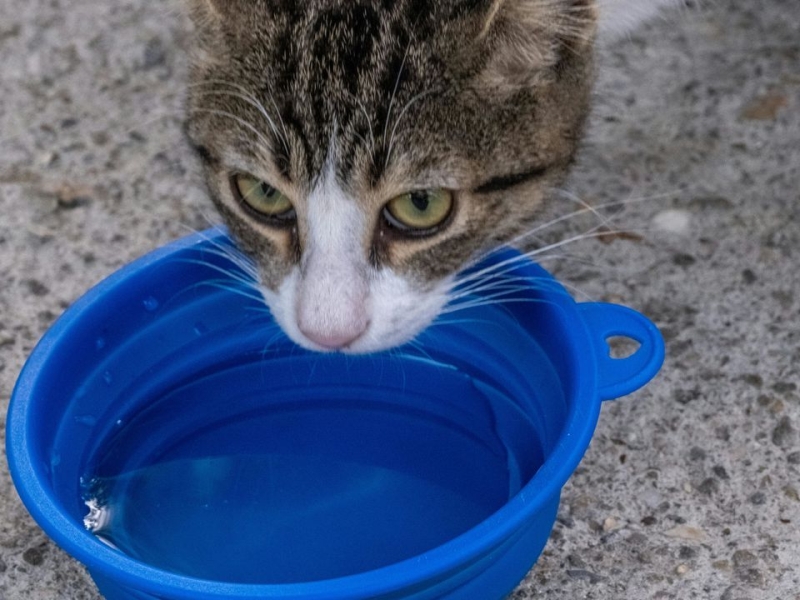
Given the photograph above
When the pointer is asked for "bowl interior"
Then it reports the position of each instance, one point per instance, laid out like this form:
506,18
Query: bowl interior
211,446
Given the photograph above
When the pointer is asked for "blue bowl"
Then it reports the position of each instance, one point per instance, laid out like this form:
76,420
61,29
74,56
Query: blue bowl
214,459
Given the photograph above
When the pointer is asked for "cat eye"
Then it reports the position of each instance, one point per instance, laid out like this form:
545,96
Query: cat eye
262,198
419,212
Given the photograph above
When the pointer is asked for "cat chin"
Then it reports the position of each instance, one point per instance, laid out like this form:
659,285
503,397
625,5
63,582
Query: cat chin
397,311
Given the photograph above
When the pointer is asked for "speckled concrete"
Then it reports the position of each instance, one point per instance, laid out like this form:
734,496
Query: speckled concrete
691,486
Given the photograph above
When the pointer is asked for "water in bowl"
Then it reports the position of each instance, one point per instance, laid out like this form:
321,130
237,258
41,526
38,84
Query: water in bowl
229,479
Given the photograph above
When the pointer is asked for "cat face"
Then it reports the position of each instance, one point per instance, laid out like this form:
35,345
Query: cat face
363,152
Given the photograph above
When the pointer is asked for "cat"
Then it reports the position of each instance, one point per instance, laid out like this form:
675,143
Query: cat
363,152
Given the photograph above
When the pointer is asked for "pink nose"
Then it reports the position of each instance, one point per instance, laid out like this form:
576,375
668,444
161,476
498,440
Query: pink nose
334,340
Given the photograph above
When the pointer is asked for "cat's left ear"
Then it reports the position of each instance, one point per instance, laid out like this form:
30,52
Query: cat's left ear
526,39
218,21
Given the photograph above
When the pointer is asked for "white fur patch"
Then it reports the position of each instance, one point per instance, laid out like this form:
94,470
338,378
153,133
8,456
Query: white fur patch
336,300
332,286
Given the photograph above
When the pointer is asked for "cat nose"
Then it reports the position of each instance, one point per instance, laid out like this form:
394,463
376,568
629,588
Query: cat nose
335,340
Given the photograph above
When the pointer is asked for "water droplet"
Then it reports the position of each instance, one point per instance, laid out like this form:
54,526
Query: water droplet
100,343
150,303
107,377
98,516
200,328
55,459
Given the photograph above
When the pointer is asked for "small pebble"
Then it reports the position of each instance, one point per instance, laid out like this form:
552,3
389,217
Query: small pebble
721,472
783,434
610,524
33,556
585,575
673,221
697,454
682,569
686,532
709,486
744,558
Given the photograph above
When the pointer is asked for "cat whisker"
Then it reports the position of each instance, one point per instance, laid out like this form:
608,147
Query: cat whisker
599,231
249,97
280,120
267,145
258,106
499,302
212,221
492,293
629,201
507,265
419,347
448,319
510,285
394,91
232,275
586,208
408,105
224,284
230,253
272,342
363,110
502,281
247,267
572,197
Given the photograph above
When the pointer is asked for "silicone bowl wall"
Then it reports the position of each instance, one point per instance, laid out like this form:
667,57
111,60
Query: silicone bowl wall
179,311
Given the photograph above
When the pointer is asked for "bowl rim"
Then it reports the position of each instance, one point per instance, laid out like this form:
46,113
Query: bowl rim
434,565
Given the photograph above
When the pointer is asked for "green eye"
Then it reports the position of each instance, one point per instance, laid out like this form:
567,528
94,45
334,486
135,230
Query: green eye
262,197
419,211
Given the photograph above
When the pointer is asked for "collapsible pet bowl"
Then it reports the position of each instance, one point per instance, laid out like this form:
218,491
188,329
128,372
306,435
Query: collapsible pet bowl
221,461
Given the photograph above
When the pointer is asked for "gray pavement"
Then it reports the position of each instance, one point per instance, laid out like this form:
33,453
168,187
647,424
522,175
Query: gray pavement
691,488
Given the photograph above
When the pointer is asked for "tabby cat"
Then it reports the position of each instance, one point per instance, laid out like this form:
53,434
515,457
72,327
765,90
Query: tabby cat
363,152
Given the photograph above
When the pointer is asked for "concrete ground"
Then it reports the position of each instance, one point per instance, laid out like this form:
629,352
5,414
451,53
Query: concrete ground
691,488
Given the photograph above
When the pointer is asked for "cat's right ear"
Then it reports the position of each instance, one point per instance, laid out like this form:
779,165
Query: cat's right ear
219,20
208,41
526,39
226,11
211,19
208,9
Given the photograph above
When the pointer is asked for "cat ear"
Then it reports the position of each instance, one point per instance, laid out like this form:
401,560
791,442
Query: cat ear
528,38
217,14
212,20
210,9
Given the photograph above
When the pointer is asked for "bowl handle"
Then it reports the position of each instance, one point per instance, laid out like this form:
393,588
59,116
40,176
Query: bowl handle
620,376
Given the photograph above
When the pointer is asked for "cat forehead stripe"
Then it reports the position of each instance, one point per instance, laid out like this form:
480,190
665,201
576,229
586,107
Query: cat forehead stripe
357,64
504,182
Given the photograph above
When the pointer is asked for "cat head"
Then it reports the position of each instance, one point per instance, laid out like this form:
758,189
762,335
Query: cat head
363,152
